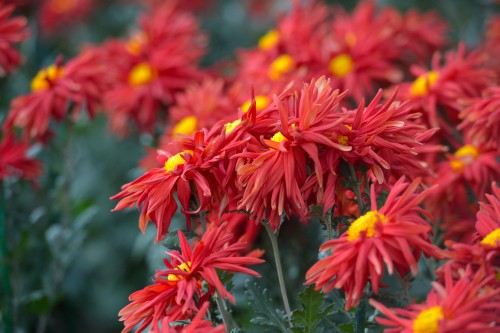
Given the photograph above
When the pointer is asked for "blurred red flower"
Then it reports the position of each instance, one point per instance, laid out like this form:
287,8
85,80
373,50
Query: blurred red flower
14,161
12,30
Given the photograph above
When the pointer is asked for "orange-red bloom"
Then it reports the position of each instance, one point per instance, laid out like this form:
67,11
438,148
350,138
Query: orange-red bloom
466,305
393,235
12,30
57,91
14,162
179,289
196,325
54,14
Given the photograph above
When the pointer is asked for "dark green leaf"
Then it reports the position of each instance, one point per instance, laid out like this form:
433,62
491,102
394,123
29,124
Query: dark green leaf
266,314
310,315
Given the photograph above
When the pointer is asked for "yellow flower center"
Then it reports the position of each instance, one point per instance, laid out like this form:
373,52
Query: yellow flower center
135,43
280,66
492,238
269,40
186,126
343,139
46,77
420,87
141,74
365,224
261,102
185,266
176,160
463,157
278,137
231,126
427,320
341,65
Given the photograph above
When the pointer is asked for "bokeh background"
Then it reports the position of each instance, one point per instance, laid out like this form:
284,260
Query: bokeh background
71,261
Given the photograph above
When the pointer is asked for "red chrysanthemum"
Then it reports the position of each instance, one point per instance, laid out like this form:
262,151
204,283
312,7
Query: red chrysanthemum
484,252
54,14
386,139
274,176
179,289
58,91
14,161
193,173
437,92
481,119
466,305
393,235
154,64
12,30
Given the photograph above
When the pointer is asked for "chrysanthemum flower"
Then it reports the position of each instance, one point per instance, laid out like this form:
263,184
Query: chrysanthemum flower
393,236
57,91
274,176
196,325
465,305
360,52
386,139
437,92
484,251
153,66
491,45
14,162
54,14
192,173
12,30
190,278
481,118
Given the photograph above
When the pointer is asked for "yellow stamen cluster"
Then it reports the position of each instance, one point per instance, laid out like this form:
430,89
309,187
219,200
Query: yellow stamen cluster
141,74
464,156
341,65
343,139
185,266
280,66
427,320
278,137
176,160
365,224
420,87
45,77
186,126
270,39
261,102
492,238
231,126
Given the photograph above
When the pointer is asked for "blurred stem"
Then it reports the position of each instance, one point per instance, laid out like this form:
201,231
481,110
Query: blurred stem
355,188
360,314
6,285
203,221
64,194
279,269
226,317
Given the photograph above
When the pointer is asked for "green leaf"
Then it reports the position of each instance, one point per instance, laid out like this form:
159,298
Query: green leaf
310,315
266,314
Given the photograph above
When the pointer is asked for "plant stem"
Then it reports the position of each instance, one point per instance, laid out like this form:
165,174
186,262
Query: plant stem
355,188
226,317
279,269
203,221
6,285
359,315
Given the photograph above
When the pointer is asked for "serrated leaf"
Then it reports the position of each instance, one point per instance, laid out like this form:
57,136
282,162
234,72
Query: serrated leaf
265,313
310,315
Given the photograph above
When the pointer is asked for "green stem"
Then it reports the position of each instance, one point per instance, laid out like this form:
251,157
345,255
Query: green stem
6,285
359,315
279,269
357,192
203,221
226,317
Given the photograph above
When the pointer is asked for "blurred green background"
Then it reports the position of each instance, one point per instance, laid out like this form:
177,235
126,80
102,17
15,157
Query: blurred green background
72,262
